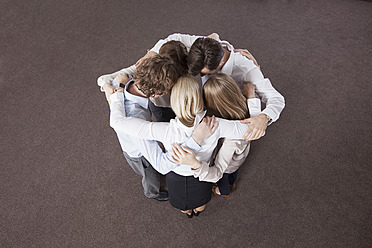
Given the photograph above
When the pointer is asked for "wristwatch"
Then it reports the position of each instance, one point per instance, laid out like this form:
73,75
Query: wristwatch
269,120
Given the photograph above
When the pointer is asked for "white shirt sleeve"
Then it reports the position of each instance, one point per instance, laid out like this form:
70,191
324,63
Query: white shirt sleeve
108,78
134,126
158,159
275,102
254,106
231,129
186,39
209,174
213,173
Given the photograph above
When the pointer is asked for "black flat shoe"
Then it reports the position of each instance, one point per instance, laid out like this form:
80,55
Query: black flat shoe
190,215
162,196
197,213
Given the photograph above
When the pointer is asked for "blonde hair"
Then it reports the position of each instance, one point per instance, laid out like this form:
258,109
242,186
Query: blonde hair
224,99
186,100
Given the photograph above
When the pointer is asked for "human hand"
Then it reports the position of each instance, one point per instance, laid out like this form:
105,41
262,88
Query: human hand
257,128
249,90
205,129
122,78
246,54
109,90
148,55
214,36
185,156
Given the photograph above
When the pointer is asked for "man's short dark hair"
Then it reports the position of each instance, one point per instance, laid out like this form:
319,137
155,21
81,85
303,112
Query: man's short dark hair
205,52
156,75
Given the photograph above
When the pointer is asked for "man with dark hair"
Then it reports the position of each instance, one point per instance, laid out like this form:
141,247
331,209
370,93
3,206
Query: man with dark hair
208,56
205,52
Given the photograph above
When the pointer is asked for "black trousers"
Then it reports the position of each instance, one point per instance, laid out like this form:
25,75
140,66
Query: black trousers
225,182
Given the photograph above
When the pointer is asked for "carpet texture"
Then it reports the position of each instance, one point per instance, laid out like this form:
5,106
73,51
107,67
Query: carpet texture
65,183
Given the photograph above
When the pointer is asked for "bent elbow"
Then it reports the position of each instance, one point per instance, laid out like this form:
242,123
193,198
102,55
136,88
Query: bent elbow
113,122
282,101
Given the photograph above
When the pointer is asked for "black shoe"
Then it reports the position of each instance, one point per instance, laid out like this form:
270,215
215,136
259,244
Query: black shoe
162,196
196,213
190,215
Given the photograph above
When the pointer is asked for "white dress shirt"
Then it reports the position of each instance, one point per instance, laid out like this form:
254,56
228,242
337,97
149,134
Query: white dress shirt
136,106
242,70
173,132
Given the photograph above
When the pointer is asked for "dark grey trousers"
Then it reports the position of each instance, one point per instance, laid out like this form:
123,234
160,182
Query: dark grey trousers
150,177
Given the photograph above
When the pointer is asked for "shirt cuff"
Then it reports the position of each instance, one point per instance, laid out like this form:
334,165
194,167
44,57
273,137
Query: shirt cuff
191,144
269,114
254,106
200,170
116,97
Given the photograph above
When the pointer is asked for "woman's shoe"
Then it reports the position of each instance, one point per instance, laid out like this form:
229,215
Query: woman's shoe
216,191
232,186
188,214
198,210
196,213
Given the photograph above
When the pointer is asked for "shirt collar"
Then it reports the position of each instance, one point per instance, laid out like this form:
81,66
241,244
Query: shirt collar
142,101
199,116
227,68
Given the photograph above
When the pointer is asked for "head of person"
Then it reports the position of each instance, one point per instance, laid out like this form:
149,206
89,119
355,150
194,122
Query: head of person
186,100
156,76
177,52
205,56
224,99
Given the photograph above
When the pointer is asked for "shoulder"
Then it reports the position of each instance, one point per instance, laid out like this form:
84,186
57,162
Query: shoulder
243,63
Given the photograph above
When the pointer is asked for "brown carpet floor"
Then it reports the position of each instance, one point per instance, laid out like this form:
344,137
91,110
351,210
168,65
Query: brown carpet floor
65,183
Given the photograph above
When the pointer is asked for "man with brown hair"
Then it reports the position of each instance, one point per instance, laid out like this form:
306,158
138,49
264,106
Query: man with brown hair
154,77
160,106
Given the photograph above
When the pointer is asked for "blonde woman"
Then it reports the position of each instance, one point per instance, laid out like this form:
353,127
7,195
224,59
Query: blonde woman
224,99
185,191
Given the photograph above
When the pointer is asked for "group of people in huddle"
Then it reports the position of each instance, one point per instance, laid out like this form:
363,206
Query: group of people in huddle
205,128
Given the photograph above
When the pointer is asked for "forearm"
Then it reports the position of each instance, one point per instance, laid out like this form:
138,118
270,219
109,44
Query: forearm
274,100
133,126
209,174
109,78
274,107
158,159
254,106
222,161
231,129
